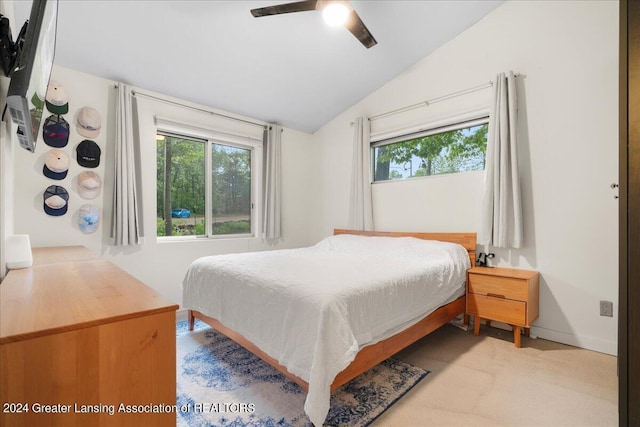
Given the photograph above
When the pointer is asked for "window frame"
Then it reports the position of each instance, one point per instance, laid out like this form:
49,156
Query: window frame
424,131
210,137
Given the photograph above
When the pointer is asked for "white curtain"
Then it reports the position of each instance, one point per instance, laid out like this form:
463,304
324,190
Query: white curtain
126,227
360,209
501,215
271,223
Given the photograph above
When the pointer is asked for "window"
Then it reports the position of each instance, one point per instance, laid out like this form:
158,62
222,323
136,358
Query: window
457,148
204,187
231,195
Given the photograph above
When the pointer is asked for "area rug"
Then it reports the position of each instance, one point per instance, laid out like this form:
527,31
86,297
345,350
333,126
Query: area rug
223,385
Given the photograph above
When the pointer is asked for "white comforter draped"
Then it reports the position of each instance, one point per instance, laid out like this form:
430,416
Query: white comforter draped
312,309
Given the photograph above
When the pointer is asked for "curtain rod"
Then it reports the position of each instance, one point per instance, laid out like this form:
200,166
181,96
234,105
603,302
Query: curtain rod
434,100
202,110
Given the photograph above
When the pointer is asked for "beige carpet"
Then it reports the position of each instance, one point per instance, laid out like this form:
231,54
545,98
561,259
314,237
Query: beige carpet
486,381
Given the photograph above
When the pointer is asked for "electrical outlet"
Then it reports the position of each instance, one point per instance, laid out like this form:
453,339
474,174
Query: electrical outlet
606,308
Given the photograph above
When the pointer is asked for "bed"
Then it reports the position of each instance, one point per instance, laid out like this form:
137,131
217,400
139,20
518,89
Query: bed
325,314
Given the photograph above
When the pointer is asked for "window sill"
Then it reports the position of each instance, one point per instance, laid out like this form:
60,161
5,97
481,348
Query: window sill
417,178
221,238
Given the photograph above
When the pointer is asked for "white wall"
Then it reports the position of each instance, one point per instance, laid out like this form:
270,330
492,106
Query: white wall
567,54
6,155
6,177
161,265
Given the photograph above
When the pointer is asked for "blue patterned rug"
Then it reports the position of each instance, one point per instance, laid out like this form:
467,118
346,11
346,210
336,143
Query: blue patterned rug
223,385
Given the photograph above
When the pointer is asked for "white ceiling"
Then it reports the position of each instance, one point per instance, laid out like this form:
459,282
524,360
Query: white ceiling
290,69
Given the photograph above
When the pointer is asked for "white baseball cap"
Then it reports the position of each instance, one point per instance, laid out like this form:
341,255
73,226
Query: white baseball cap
89,185
88,218
57,99
56,165
89,122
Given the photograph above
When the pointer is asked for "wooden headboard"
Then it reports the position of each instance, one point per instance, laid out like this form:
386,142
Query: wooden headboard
466,240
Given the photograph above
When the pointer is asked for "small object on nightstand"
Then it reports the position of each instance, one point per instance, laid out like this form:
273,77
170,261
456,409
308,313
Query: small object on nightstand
503,294
482,259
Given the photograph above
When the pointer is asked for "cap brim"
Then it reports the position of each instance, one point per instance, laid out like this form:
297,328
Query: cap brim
54,175
57,109
89,228
89,194
92,165
55,212
91,134
56,142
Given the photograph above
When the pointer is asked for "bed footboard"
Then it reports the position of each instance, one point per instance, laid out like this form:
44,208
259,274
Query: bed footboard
367,358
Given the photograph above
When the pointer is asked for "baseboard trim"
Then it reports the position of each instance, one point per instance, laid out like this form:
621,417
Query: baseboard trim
582,341
181,315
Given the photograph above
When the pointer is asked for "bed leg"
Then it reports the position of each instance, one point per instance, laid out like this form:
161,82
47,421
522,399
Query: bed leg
192,319
465,319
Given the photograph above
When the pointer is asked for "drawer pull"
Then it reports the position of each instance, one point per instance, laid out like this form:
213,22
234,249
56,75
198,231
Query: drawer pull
495,295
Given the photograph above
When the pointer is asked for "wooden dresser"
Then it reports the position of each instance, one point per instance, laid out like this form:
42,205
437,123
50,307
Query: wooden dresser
503,294
83,343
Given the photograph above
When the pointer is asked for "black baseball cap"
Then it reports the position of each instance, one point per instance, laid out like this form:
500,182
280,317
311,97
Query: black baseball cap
88,154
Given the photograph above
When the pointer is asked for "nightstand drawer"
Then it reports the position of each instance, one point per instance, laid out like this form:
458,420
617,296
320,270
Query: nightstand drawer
500,309
508,287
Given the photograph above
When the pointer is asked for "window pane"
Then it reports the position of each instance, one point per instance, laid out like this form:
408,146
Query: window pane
455,151
231,169
180,186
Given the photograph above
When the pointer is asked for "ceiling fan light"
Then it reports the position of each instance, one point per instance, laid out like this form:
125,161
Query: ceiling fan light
335,14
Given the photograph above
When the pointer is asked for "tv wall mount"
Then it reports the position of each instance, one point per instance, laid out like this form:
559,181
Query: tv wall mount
10,49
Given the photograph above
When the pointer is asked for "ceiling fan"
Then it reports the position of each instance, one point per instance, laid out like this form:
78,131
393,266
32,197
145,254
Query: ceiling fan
334,12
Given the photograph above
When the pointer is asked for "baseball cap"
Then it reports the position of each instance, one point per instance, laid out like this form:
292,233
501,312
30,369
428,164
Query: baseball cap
89,122
89,218
88,154
55,200
57,99
55,131
56,164
89,185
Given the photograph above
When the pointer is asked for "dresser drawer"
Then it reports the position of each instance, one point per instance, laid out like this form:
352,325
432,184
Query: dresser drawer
500,309
508,287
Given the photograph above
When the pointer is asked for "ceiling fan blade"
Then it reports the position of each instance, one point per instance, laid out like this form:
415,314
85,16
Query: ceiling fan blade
299,6
358,29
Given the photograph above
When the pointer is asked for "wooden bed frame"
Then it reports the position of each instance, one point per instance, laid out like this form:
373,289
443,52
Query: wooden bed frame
371,355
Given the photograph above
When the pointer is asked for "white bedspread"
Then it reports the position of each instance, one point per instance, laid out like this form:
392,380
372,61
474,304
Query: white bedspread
313,308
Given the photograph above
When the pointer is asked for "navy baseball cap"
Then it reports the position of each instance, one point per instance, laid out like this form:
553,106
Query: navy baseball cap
55,131
56,164
56,199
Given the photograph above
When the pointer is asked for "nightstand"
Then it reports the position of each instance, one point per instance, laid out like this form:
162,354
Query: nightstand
503,294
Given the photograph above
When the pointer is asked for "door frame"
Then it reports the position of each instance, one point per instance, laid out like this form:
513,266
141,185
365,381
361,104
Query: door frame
629,215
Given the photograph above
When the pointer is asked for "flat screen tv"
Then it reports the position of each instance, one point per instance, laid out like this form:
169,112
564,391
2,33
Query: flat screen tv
30,78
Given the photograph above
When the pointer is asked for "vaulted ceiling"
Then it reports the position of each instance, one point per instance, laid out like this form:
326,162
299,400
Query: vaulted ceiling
291,69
